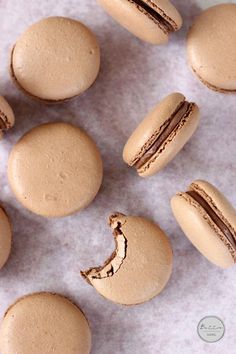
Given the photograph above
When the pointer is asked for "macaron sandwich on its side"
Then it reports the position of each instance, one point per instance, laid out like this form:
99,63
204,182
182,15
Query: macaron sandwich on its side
161,135
209,221
150,20
141,265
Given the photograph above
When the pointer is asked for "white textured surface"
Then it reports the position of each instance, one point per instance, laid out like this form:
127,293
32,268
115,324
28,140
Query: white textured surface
48,254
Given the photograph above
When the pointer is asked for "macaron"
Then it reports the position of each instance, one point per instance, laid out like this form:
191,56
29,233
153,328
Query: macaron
55,59
161,135
7,117
150,20
44,323
209,221
5,237
140,266
211,47
55,170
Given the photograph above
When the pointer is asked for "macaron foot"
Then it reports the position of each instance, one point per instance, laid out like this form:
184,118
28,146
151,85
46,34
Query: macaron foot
210,86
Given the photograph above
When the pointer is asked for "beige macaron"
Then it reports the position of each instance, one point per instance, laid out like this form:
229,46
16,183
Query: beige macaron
150,20
161,135
55,169
209,221
140,266
44,323
211,47
5,237
7,117
55,59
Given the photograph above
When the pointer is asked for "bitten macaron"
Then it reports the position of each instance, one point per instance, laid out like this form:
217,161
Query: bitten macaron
5,237
211,47
209,221
55,169
140,266
161,135
55,59
7,117
150,20
44,323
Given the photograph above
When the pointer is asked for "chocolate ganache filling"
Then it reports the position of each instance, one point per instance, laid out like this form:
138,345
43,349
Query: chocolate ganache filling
174,120
215,218
164,24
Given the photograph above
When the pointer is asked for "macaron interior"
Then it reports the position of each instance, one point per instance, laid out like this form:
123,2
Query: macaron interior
7,117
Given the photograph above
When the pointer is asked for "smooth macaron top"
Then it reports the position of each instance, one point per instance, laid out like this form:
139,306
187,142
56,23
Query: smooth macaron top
211,47
55,59
141,265
7,117
5,237
149,20
168,127
55,169
209,221
44,323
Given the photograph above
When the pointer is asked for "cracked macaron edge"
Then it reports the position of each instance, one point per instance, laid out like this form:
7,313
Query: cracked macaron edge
115,262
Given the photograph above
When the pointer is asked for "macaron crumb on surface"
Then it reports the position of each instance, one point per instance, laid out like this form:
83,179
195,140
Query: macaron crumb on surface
55,59
7,117
44,323
140,266
150,20
209,221
161,135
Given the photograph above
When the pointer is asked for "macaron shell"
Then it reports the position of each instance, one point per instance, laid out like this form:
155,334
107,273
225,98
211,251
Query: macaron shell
145,270
55,170
55,59
44,323
8,115
211,49
172,146
196,226
126,13
5,238
216,198
150,127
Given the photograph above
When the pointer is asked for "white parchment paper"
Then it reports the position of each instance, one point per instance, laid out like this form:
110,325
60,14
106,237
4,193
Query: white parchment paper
49,254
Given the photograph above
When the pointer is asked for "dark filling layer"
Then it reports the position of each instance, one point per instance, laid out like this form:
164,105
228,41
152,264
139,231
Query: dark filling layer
215,218
163,22
174,121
